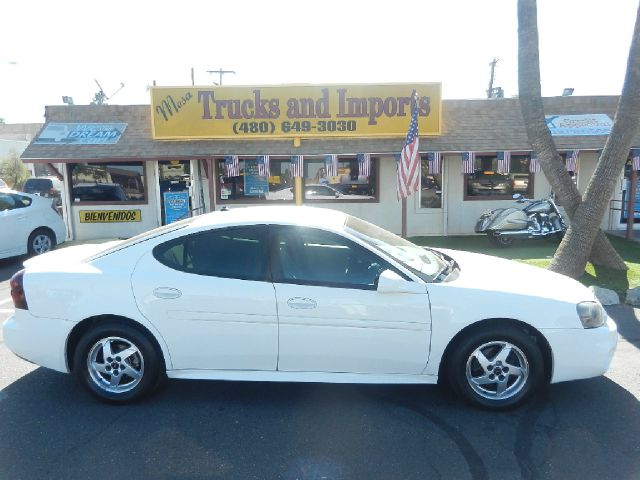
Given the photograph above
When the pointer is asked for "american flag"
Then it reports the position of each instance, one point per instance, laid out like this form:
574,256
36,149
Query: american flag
408,166
331,165
263,166
364,164
296,165
232,166
504,161
534,164
572,160
635,159
435,162
468,162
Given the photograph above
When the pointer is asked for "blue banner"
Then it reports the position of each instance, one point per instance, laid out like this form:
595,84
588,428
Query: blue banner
80,134
176,206
579,125
254,184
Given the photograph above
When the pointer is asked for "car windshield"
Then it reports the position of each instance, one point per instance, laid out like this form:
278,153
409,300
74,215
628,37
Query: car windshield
424,263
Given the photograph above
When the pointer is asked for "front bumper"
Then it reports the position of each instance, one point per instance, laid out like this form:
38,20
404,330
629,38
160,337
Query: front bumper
582,353
38,340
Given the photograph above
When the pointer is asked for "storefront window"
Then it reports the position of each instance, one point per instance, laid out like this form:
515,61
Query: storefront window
430,187
349,184
487,184
108,182
250,187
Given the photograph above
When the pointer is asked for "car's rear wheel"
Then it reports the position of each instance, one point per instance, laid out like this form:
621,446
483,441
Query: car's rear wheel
41,241
117,363
501,241
496,368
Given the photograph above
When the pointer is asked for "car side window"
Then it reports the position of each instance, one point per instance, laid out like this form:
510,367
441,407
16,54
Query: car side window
310,256
239,253
21,201
7,202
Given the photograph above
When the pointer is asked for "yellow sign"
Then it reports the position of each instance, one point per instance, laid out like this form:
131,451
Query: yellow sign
110,216
293,111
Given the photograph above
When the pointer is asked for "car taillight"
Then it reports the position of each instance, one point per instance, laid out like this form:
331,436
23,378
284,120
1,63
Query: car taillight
17,291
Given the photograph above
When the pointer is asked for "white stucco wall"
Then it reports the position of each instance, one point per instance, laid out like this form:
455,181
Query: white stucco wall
150,214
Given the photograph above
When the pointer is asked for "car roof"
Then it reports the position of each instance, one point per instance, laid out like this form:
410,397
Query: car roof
280,214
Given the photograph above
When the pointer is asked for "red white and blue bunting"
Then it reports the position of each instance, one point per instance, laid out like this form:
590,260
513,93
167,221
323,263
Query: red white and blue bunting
331,165
504,161
364,164
263,166
232,166
434,160
468,162
534,164
297,166
635,159
571,160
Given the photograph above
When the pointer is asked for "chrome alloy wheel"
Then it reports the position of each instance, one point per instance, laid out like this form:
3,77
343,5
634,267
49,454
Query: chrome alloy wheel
115,365
41,243
497,370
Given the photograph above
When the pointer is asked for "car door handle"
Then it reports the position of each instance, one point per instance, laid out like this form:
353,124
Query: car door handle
167,292
302,303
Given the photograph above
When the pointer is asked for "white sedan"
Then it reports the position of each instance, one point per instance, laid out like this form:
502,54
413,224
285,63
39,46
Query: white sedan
307,295
28,224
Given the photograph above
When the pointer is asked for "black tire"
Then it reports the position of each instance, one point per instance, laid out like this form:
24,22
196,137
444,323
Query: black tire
513,363
40,241
134,375
500,241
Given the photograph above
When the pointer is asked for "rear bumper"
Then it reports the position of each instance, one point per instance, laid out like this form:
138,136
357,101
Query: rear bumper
582,353
38,340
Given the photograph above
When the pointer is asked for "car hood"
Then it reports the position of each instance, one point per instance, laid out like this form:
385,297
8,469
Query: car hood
68,255
484,272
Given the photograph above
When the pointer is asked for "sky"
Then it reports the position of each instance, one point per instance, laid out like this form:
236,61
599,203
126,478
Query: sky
54,49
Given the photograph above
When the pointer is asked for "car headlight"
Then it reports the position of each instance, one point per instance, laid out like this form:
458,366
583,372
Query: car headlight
591,314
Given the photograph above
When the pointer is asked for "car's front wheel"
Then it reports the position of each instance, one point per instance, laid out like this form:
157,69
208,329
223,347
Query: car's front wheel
41,241
117,363
496,368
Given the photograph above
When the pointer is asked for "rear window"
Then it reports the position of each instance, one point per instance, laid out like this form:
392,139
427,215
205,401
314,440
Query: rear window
38,184
143,237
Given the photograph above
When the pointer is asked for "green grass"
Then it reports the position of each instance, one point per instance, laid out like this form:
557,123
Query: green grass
540,252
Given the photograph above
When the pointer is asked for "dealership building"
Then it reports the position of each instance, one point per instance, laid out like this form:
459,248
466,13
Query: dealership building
129,168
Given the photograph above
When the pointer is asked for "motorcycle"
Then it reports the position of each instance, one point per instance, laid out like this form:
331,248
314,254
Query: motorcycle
537,219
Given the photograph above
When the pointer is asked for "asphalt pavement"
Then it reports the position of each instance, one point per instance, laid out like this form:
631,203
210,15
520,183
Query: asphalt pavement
51,429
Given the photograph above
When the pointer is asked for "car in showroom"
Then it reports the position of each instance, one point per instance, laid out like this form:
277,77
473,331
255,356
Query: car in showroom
489,183
302,294
315,191
28,224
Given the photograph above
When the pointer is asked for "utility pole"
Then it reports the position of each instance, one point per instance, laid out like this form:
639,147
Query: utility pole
492,92
220,72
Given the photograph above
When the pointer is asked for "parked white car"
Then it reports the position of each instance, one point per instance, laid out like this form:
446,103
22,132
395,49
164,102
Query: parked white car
28,224
302,294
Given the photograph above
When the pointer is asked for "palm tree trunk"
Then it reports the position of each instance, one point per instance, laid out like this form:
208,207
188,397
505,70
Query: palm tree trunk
594,246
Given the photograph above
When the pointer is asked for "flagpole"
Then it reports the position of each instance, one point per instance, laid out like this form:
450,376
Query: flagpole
404,217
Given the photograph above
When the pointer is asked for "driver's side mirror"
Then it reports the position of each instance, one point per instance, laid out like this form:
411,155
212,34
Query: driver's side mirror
517,196
390,282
